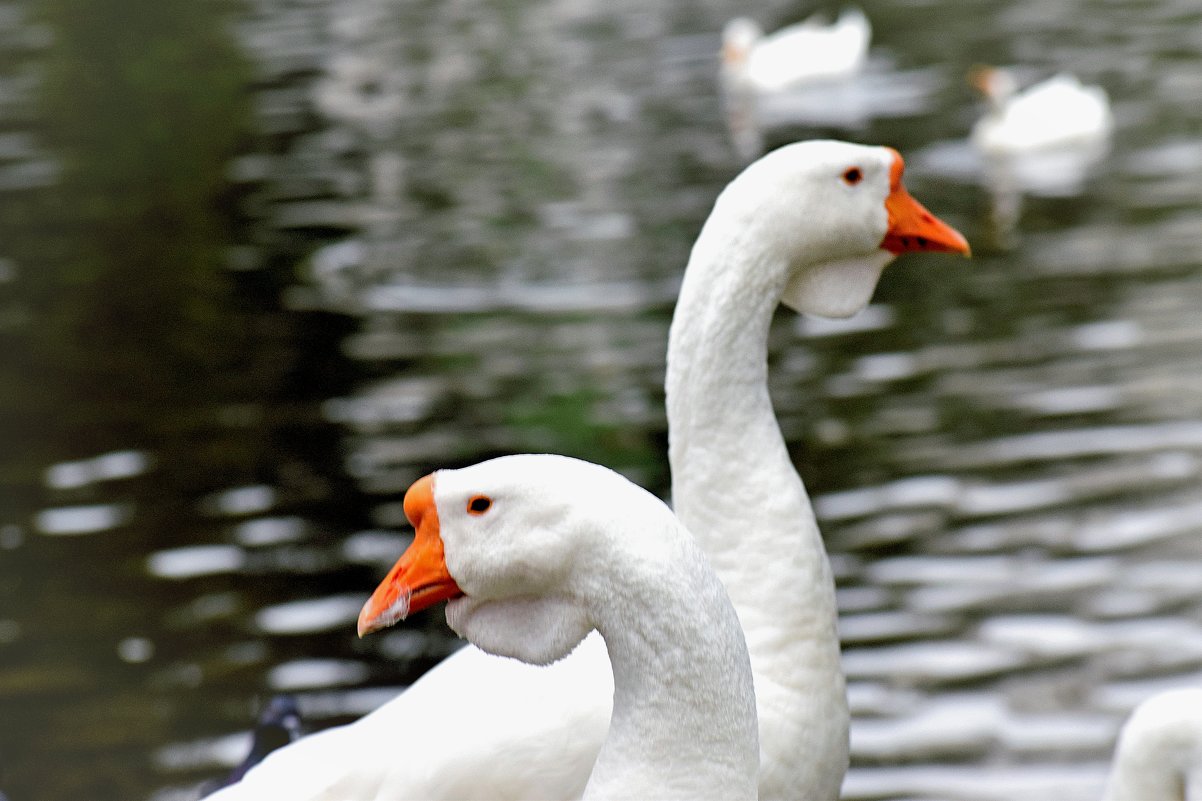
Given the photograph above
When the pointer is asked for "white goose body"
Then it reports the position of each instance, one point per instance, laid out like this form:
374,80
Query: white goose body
536,551
812,224
801,53
1159,747
1057,113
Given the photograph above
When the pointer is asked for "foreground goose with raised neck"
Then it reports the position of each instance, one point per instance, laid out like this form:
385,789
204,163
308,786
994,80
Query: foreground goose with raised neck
536,551
1159,747
821,251
813,224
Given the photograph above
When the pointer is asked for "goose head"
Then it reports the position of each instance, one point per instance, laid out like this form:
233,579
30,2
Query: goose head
738,38
996,84
831,215
512,543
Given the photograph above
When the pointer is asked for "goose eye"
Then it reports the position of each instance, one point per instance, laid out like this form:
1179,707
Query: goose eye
853,176
478,504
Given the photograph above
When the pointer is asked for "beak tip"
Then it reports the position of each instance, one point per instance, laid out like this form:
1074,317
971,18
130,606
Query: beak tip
363,626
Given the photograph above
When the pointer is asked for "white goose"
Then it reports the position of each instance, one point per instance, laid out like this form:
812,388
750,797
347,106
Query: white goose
800,53
1159,747
1057,113
813,224
535,552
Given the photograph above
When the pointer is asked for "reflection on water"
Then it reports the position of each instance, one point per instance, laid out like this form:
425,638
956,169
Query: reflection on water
233,335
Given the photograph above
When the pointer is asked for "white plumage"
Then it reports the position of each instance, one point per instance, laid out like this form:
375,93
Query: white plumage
806,51
1159,747
1057,113
562,547
813,223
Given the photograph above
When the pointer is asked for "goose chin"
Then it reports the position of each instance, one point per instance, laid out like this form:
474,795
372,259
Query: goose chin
459,611
837,288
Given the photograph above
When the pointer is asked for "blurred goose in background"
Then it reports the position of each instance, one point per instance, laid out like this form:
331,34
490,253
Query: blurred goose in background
812,76
1057,113
1045,140
1158,749
803,52
813,225
537,551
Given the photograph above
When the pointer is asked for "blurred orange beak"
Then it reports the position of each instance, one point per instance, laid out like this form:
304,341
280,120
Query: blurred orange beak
419,578
981,79
911,226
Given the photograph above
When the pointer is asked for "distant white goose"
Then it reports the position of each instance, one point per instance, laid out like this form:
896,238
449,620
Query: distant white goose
806,51
1159,747
1056,113
812,224
535,552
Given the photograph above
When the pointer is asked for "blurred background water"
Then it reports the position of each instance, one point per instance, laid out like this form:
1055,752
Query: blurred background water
265,262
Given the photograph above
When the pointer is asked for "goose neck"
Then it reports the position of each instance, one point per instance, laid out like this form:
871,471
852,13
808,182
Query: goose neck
735,487
683,723
1158,749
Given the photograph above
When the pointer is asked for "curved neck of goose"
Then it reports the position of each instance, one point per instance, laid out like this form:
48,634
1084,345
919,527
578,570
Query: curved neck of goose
1158,749
735,487
997,103
683,724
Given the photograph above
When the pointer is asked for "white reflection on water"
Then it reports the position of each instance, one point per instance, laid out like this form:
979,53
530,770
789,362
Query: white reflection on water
269,531
931,662
375,547
310,615
195,560
608,297
239,501
106,467
135,650
91,519
306,674
1092,441
978,780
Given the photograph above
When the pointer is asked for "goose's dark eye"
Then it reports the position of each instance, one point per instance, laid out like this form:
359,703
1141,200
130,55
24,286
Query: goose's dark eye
853,176
479,504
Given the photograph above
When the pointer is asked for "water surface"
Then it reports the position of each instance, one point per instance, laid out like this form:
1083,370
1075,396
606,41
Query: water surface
301,253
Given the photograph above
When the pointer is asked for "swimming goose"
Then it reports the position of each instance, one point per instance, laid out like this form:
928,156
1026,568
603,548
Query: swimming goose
1159,747
800,53
535,552
1057,113
812,224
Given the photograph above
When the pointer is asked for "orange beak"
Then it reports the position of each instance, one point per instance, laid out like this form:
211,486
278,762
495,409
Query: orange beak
981,79
733,54
419,578
911,226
